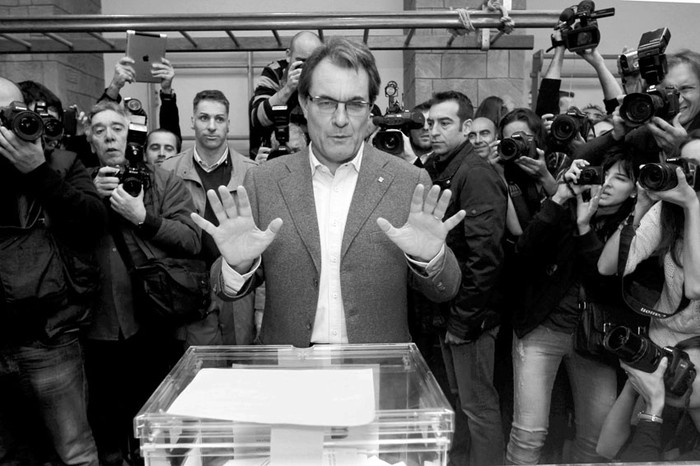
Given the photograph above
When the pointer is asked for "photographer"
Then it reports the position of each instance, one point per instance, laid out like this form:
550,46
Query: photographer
277,85
669,229
153,221
557,255
50,220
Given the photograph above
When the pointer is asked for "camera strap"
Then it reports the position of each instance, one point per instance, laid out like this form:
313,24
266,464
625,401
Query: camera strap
642,296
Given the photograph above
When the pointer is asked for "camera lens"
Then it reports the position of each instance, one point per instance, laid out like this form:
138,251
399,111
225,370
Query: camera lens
658,176
564,128
27,125
637,108
134,105
510,148
632,349
389,141
53,128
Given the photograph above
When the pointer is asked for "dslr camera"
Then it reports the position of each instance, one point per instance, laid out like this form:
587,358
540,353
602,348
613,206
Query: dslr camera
639,352
395,123
579,25
662,176
53,127
516,146
567,125
280,123
135,176
591,175
639,107
26,125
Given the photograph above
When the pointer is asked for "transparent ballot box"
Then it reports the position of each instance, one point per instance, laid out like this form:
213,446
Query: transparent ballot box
340,405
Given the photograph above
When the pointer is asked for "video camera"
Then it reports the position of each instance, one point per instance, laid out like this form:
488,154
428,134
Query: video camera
26,124
516,146
567,125
639,107
395,123
280,122
639,352
579,26
135,176
662,176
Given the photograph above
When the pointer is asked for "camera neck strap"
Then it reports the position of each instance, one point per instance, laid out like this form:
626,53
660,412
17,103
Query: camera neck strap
628,283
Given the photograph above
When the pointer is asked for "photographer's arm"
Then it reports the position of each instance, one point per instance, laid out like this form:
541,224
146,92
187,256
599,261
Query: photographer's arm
691,250
123,73
548,93
169,115
611,88
269,94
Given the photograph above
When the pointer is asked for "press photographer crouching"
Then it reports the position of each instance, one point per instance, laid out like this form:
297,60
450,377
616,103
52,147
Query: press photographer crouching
130,344
665,231
50,220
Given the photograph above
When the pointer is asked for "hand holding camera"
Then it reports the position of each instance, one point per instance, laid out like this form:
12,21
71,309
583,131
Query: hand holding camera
293,75
106,180
20,137
128,206
649,385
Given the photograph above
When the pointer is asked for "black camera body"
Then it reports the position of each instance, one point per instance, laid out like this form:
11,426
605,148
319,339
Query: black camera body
639,352
516,146
662,176
651,55
280,122
135,176
53,127
639,107
395,123
628,63
26,125
134,106
579,27
567,125
70,122
591,175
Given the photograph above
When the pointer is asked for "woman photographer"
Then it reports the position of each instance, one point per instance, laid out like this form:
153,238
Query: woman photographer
557,255
671,229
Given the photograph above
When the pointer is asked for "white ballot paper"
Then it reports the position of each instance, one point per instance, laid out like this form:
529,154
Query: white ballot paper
310,397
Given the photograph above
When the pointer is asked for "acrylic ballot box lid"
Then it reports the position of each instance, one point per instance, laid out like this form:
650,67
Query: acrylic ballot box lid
336,405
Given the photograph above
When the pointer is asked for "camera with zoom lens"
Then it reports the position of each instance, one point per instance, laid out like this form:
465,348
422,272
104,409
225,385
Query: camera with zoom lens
639,107
26,125
662,176
591,175
639,352
662,101
579,26
134,106
53,127
566,126
135,176
516,146
628,63
280,122
395,123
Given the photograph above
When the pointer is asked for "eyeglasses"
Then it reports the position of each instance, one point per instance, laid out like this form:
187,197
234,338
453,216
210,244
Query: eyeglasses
355,107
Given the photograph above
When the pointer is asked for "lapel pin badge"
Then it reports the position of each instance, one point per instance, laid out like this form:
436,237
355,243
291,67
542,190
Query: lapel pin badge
381,179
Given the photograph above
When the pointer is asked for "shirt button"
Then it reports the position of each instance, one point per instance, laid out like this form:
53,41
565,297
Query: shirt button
440,286
335,295
334,259
308,326
334,333
114,249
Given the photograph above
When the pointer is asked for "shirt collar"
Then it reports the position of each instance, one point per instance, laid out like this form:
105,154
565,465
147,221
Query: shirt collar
210,168
356,162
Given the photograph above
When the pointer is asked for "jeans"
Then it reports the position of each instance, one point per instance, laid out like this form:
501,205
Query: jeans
51,391
536,358
470,369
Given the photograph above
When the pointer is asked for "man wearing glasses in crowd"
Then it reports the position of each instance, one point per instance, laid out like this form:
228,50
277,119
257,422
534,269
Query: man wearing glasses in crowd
336,269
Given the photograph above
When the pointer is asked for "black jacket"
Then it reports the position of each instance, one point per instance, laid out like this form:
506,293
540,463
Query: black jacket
477,241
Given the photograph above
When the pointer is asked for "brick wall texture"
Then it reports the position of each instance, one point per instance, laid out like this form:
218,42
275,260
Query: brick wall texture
76,78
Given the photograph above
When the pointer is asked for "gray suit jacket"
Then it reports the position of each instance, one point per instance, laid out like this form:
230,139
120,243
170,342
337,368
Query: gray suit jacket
374,272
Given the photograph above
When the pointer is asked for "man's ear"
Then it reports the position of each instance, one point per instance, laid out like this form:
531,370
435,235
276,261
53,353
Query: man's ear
304,103
466,127
192,121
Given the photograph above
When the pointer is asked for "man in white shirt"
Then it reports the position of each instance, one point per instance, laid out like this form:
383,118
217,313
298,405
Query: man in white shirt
336,269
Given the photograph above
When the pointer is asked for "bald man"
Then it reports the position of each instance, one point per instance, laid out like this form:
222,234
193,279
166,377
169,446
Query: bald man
44,203
482,135
277,85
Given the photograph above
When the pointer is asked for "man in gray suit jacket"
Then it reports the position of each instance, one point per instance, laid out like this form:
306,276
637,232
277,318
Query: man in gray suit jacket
336,269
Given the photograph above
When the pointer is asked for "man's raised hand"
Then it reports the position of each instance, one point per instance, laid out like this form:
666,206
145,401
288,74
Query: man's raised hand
238,238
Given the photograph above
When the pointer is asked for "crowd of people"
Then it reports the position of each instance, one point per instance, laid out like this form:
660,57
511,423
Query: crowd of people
489,240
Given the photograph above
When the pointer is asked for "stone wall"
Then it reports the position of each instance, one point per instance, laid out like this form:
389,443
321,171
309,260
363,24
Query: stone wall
475,73
77,78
